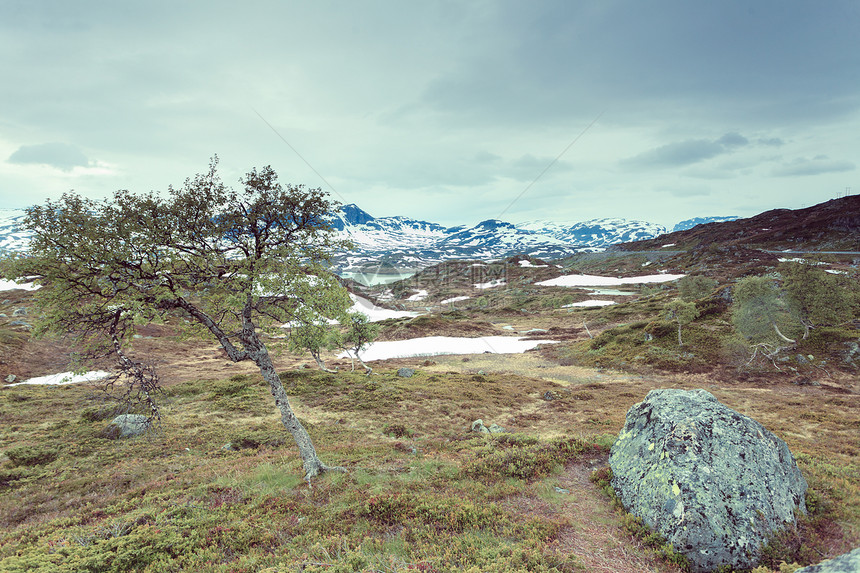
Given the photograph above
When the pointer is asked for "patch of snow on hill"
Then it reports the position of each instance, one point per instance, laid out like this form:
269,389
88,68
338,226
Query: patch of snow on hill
12,285
64,378
437,345
590,303
492,284
376,313
593,280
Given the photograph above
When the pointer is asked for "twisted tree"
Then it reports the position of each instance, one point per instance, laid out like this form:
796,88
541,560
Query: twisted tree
233,264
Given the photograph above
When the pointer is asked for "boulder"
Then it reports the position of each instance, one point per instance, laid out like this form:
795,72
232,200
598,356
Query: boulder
478,426
127,426
405,372
846,563
715,483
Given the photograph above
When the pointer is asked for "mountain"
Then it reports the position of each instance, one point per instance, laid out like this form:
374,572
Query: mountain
690,223
597,232
830,226
12,238
406,243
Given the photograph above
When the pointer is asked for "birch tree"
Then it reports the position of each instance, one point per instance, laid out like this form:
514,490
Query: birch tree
231,264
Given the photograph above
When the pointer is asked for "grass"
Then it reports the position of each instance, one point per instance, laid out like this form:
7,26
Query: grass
422,493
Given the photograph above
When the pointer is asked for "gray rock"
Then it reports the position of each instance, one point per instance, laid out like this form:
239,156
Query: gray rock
801,359
11,378
548,395
716,484
478,426
127,426
496,429
405,372
19,312
845,563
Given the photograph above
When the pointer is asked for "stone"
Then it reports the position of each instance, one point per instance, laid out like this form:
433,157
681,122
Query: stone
478,426
127,426
715,483
845,563
19,312
495,429
11,378
548,395
405,372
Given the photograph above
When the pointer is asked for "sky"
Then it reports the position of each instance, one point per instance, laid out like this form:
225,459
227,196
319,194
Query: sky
451,112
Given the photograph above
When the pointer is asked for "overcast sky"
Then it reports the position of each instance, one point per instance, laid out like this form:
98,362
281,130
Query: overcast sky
443,111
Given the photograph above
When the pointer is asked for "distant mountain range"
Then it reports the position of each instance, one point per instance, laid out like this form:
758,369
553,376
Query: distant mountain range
406,243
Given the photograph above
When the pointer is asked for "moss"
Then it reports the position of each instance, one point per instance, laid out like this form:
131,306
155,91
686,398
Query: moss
29,455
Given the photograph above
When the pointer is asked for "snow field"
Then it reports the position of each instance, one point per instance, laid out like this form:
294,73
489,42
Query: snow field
438,345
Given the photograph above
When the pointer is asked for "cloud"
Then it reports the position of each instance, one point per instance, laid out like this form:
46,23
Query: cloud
733,140
771,141
62,156
677,154
815,166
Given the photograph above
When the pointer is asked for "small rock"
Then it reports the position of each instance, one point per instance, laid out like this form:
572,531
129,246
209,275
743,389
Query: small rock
229,447
11,378
843,564
548,395
496,429
561,490
405,372
478,426
19,312
20,323
127,426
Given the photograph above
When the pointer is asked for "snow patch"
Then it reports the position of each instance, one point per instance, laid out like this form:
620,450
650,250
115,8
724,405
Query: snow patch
455,299
420,295
590,303
594,280
64,378
12,285
437,345
492,284
376,313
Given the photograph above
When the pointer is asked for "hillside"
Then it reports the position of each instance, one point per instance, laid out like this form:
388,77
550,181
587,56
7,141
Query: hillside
218,487
830,226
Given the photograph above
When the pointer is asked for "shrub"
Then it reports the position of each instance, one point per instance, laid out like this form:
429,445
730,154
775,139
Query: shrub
32,455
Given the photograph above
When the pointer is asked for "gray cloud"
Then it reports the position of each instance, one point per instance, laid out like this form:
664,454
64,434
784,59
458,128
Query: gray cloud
59,155
733,140
676,154
819,164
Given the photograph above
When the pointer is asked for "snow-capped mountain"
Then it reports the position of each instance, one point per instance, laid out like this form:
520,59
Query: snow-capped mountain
596,232
690,223
12,238
406,243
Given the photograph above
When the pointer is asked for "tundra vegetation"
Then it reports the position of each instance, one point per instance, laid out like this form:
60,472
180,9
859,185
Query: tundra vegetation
220,488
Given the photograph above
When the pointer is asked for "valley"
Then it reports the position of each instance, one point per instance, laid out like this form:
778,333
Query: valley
217,486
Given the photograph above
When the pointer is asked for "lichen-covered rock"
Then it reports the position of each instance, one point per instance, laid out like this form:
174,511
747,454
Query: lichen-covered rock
846,563
127,426
713,482
405,372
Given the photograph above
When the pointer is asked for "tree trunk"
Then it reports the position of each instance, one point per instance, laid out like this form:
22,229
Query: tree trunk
781,335
321,364
313,466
